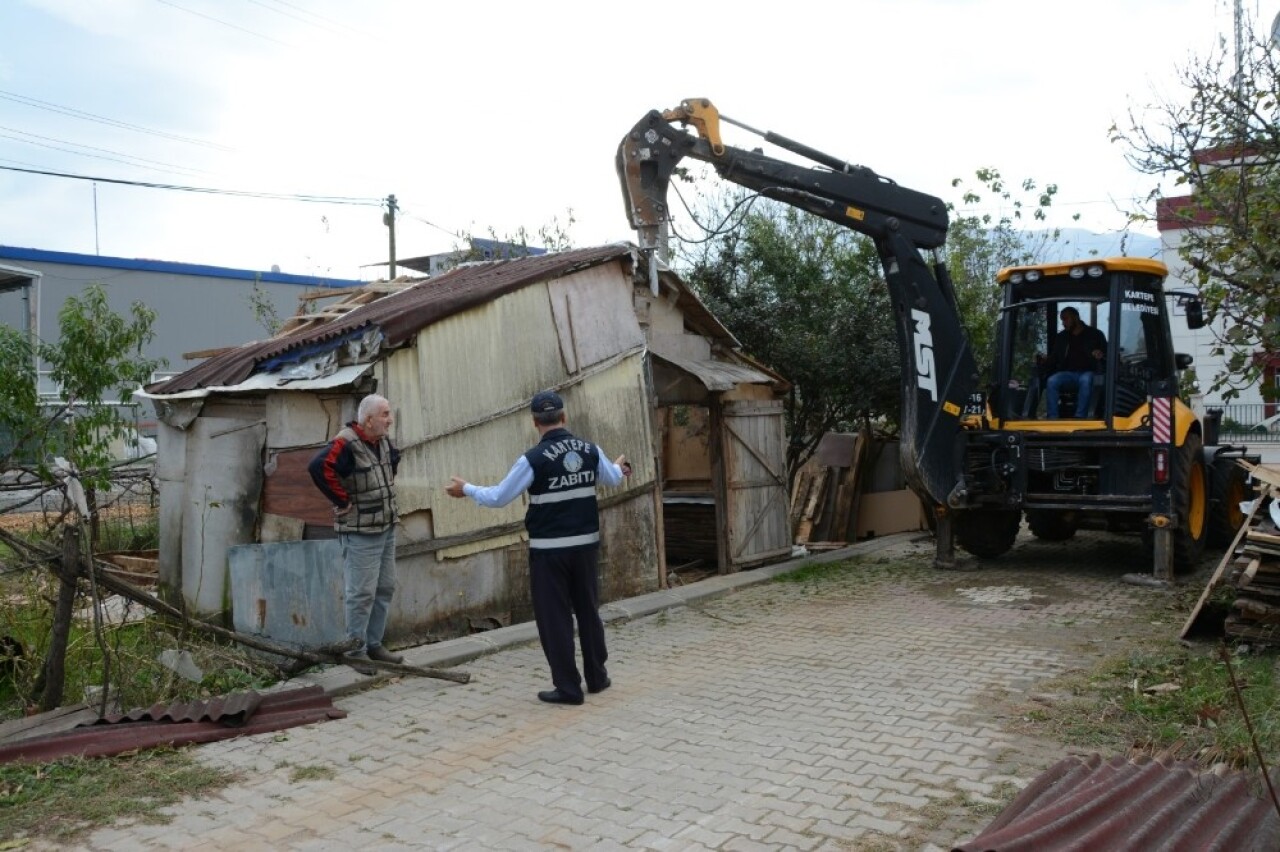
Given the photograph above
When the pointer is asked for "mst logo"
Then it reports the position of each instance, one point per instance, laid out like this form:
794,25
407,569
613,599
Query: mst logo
926,372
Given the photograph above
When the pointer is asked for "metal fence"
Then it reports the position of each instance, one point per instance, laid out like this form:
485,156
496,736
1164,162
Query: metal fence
1252,422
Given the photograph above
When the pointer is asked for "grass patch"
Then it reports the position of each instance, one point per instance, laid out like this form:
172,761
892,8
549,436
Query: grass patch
843,569
62,800
131,660
127,654
1167,698
313,772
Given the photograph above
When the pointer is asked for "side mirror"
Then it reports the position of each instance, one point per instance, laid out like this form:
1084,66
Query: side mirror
1182,360
1195,313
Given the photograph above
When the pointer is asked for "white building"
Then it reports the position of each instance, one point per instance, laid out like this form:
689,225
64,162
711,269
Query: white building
1248,412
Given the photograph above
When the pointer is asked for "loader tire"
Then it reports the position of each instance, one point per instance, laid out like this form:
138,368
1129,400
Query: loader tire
1230,489
1190,499
1048,525
987,534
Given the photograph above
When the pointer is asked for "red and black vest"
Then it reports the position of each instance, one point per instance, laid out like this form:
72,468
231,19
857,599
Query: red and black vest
373,502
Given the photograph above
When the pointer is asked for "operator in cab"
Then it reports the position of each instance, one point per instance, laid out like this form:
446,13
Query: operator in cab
1077,353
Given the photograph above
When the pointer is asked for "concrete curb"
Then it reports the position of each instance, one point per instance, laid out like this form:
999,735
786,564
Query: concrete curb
340,680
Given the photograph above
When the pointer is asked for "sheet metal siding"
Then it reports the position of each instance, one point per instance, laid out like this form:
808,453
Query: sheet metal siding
629,549
469,376
442,597
487,360
290,592
594,316
756,484
400,315
1133,806
221,490
607,408
171,459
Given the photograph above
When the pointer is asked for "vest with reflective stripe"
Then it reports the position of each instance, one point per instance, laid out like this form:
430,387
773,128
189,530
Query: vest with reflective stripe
563,514
373,502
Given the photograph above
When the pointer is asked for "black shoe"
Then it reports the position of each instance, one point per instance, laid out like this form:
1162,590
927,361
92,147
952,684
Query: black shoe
555,696
382,655
601,688
359,662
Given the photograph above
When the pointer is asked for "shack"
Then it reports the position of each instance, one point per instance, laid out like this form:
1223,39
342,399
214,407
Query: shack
459,355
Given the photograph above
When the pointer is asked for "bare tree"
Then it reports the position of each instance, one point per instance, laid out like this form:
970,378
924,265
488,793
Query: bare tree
1221,143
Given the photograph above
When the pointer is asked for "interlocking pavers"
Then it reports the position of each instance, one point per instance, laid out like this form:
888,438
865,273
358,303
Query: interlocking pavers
752,715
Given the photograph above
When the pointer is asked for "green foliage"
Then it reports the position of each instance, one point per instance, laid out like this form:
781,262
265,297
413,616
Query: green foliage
20,418
60,801
97,362
264,310
1220,142
1167,697
805,297
981,242
553,236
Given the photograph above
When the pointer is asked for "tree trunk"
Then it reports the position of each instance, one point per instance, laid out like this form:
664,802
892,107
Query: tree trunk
52,678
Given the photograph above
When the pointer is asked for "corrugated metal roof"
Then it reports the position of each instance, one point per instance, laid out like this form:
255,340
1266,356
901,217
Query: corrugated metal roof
218,719
718,375
399,315
232,709
271,382
1133,805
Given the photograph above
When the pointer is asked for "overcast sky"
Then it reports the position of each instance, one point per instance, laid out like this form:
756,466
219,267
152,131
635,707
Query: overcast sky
496,115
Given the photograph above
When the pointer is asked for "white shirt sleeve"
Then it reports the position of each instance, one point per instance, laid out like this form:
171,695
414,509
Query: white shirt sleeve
512,486
607,472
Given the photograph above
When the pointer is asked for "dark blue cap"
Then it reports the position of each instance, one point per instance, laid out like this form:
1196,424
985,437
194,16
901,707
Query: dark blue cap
545,402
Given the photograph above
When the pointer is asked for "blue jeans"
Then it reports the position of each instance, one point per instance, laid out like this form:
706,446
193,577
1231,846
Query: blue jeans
1082,382
369,574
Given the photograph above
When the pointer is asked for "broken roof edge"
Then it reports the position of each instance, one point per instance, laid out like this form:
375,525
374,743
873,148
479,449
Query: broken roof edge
398,315
718,375
268,382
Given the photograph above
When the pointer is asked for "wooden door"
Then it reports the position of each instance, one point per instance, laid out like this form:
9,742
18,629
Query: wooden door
753,491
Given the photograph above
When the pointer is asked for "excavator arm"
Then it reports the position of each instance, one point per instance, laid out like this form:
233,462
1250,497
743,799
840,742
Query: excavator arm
939,372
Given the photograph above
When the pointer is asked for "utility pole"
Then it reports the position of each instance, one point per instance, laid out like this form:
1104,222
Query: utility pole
389,219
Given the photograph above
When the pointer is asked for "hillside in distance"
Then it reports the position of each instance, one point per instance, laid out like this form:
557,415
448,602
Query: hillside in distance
1078,243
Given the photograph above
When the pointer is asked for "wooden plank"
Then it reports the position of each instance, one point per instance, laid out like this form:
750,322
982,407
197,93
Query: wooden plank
1217,574
1250,571
800,496
857,480
813,507
1256,610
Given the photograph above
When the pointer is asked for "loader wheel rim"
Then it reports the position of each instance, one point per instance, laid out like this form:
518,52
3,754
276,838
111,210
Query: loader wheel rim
1196,502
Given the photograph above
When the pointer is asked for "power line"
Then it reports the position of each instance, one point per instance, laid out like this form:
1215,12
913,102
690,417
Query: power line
314,199
336,23
404,212
170,167
88,116
224,23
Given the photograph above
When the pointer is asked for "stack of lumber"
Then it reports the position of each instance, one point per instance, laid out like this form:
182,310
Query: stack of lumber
1255,615
824,496
1256,568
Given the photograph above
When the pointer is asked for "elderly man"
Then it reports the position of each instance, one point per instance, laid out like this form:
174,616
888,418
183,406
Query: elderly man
356,471
563,521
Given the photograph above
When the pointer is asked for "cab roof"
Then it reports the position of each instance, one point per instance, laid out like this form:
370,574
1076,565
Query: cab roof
1143,265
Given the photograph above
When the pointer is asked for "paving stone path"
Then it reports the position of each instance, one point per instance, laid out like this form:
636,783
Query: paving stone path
828,708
